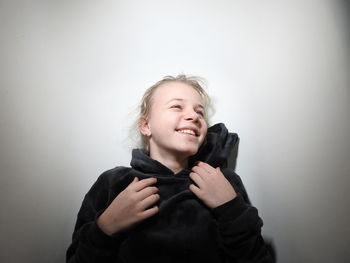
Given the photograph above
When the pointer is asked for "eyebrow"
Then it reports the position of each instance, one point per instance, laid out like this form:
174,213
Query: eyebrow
179,99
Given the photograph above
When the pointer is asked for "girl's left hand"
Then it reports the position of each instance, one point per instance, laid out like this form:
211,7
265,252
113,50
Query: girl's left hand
213,188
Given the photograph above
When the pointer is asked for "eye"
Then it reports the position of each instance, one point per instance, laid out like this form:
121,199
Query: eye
201,113
176,106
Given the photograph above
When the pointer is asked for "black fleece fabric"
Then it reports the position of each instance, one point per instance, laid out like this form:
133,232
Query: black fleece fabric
184,230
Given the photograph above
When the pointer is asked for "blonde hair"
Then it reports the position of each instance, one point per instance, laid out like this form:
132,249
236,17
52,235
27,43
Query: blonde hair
146,102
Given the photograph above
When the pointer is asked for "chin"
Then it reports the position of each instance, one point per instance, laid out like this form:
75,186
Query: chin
187,149
189,152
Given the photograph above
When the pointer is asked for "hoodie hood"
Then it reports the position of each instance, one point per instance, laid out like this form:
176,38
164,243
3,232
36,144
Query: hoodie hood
217,146
215,151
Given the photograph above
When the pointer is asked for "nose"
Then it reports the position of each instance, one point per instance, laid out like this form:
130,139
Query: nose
191,114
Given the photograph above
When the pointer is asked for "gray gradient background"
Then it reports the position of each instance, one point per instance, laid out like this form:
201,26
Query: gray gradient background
278,71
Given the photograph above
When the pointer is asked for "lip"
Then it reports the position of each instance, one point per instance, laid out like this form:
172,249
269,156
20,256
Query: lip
194,129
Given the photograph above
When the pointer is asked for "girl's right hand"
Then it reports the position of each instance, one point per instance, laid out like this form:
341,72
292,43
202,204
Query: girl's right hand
134,204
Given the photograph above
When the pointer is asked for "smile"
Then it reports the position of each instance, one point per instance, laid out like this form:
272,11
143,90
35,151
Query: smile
186,131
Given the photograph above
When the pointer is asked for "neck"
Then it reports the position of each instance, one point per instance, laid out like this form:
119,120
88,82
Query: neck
173,162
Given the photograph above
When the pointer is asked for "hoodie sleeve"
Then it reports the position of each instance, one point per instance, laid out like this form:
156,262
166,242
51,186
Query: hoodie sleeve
89,242
239,228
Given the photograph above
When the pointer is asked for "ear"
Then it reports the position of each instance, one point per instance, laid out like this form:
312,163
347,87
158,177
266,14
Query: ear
144,127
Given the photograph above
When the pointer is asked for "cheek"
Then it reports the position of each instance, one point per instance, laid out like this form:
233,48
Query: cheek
204,128
204,133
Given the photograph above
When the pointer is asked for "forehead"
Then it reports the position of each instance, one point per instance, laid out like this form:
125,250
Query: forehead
177,90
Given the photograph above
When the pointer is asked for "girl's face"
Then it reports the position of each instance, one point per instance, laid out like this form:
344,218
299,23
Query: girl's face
176,124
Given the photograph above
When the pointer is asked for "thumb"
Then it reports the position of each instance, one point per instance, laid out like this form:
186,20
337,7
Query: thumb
135,180
218,170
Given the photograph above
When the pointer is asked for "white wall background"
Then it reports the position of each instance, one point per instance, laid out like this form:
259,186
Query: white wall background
278,71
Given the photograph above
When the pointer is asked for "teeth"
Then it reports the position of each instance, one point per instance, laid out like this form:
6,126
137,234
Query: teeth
187,131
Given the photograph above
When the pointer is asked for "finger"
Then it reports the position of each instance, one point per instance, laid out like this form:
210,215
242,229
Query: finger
134,181
144,183
197,179
200,171
194,189
148,201
149,212
210,169
145,192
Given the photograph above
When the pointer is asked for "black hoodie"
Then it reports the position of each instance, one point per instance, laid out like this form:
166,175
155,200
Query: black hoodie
184,230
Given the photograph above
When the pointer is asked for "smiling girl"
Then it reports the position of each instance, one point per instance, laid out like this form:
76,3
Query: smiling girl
177,202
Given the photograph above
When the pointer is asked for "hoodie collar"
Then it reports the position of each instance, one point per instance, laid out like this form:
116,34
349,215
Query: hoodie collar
215,151
142,162
217,147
